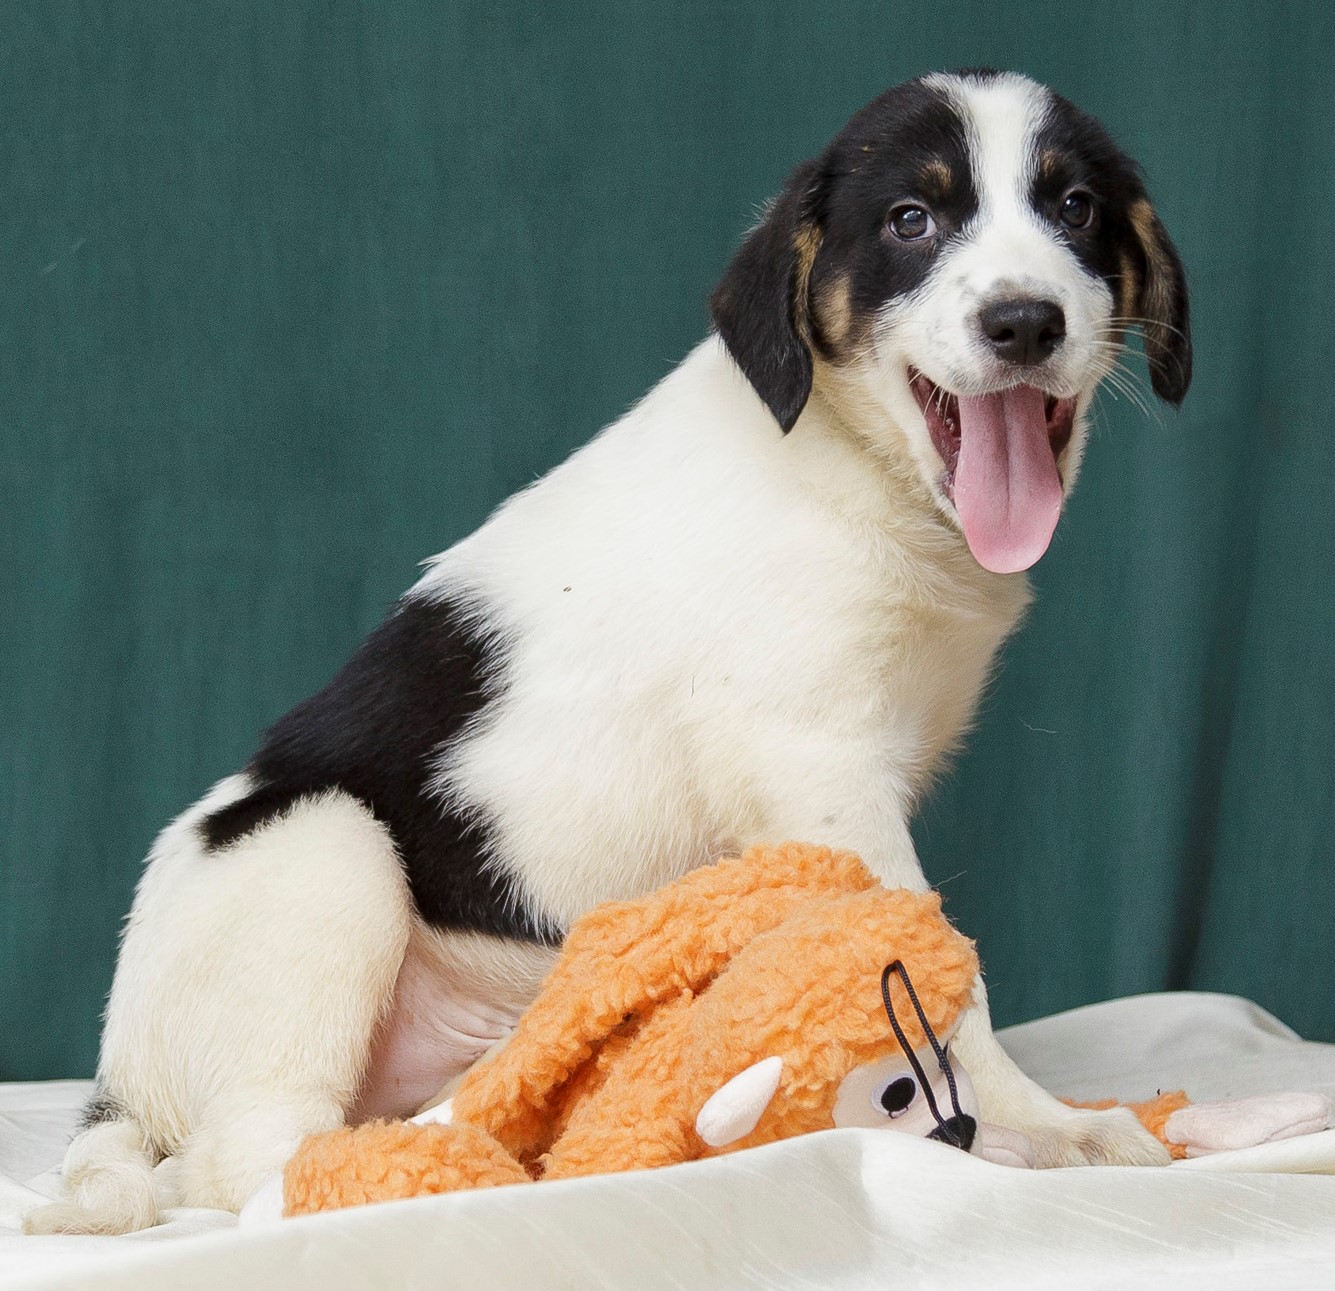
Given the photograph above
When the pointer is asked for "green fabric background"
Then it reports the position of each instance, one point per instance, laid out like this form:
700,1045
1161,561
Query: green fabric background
294,294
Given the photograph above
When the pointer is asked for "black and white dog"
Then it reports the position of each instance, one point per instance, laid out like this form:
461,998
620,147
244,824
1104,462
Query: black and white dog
759,607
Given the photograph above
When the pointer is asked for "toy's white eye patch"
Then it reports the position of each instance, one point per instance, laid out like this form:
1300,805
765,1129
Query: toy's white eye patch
895,1096
888,1095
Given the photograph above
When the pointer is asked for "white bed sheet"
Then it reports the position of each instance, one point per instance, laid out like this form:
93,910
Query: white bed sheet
849,1208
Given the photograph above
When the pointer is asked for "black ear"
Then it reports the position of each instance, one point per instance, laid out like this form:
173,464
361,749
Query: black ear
760,306
1162,306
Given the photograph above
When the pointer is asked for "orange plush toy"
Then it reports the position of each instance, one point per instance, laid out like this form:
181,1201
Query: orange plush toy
745,1003
766,996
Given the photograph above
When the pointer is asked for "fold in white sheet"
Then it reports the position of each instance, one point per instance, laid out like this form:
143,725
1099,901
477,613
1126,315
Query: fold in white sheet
849,1208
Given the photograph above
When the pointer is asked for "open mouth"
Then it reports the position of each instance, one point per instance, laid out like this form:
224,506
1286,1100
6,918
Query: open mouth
941,410
1000,453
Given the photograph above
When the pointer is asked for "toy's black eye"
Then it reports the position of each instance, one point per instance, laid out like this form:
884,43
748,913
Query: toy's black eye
896,1097
911,223
1077,209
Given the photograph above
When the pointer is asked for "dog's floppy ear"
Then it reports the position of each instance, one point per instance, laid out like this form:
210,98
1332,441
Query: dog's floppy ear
761,306
1162,305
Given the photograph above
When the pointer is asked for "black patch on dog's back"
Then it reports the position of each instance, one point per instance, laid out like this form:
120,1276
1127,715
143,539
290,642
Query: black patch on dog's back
374,732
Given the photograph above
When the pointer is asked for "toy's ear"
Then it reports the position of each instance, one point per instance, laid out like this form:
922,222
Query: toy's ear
734,1110
762,306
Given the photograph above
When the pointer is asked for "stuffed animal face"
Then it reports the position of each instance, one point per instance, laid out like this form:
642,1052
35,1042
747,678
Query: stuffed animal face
891,1095
920,1095
843,1037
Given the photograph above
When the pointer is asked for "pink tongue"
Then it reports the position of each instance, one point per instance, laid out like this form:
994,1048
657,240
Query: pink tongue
1007,490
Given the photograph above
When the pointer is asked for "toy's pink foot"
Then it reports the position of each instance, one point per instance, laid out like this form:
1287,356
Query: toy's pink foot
1246,1122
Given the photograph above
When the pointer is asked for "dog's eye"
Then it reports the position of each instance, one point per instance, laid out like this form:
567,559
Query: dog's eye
910,223
1077,210
896,1096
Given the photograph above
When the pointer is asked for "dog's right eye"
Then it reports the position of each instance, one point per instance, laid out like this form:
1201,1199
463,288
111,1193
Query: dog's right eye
910,223
1077,210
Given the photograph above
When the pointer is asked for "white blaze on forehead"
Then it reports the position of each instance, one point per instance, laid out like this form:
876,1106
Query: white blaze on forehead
1001,117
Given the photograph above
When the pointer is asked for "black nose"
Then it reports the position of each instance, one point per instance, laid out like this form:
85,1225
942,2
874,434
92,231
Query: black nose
958,1131
1021,330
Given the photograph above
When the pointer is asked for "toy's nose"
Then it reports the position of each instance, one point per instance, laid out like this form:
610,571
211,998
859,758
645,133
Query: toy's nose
958,1131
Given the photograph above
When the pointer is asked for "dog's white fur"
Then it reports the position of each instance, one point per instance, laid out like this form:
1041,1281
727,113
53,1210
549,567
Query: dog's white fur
718,635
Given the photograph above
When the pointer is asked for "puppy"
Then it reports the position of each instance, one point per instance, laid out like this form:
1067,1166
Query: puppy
759,607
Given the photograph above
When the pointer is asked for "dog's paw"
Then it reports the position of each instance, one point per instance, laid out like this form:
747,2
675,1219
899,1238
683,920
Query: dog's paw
1067,1136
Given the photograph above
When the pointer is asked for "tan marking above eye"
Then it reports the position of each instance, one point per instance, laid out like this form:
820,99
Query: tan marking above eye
1049,165
937,175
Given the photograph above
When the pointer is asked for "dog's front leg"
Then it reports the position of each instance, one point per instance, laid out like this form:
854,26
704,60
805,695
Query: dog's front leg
828,806
876,828
1060,1135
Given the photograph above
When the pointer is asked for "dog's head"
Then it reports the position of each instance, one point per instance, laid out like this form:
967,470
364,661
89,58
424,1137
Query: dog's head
966,256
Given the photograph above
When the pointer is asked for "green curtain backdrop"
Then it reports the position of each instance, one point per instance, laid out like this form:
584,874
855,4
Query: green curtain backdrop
293,295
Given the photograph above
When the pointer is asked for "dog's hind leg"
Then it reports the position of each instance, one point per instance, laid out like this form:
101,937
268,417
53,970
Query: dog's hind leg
250,981
109,1172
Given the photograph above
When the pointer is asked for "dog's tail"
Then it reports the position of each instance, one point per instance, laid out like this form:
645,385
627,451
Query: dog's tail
108,1177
